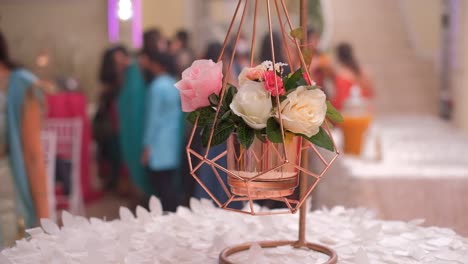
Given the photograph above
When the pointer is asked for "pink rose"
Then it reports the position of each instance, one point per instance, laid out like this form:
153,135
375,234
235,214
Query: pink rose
252,74
270,77
199,81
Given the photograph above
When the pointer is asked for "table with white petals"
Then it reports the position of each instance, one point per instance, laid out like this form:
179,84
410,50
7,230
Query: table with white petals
197,235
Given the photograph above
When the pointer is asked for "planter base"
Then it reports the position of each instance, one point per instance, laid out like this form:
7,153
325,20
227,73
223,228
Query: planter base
223,257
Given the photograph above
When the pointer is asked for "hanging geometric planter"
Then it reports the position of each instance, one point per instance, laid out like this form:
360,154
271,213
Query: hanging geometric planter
270,122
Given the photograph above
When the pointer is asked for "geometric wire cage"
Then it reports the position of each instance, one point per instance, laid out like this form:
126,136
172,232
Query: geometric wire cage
291,202
246,189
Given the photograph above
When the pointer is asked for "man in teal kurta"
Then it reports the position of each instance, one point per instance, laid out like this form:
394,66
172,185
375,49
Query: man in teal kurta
162,138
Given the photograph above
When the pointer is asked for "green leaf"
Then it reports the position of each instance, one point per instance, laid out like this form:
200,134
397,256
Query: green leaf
273,131
297,33
207,115
321,139
291,83
222,132
333,114
245,135
226,115
192,117
214,99
302,82
229,95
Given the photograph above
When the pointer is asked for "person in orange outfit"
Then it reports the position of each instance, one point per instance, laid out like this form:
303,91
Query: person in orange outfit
348,73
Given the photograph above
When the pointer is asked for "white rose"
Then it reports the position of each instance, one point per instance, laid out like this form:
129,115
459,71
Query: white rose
303,111
253,104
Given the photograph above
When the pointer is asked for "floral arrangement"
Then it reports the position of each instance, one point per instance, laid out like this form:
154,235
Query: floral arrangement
252,109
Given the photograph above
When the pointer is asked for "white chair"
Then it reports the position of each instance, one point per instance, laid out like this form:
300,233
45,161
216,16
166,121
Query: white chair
49,144
68,132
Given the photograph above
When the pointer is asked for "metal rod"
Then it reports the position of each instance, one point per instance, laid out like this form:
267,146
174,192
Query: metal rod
273,59
304,160
228,72
254,35
226,39
292,68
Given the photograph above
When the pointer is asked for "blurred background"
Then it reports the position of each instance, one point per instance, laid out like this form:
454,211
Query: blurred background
396,69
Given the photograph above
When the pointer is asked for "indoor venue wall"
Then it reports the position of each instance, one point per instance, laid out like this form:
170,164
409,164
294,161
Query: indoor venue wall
423,26
460,73
388,55
73,33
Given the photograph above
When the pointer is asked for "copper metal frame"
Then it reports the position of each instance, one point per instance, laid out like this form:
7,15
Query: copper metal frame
223,257
292,205
204,159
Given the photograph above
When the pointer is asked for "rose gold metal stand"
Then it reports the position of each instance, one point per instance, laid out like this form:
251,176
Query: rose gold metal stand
223,257
301,242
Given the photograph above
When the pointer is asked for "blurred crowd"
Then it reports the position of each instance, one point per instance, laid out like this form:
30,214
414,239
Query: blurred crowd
139,128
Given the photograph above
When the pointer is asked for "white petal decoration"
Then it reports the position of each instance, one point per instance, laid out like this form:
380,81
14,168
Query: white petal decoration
125,214
67,219
255,254
95,221
155,206
183,211
142,215
195,205
207,203
4,260
199,235
361,257
34,232
440,242
49,226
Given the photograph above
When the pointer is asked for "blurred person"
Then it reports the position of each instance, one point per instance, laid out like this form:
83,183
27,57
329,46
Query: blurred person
266,52
131,109
105,124
180,49
131,112
242,57
353,89
348,72
153,41
321,68
23,188
163,130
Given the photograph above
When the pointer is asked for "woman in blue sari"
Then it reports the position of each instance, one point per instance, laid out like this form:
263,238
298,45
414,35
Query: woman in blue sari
23,183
